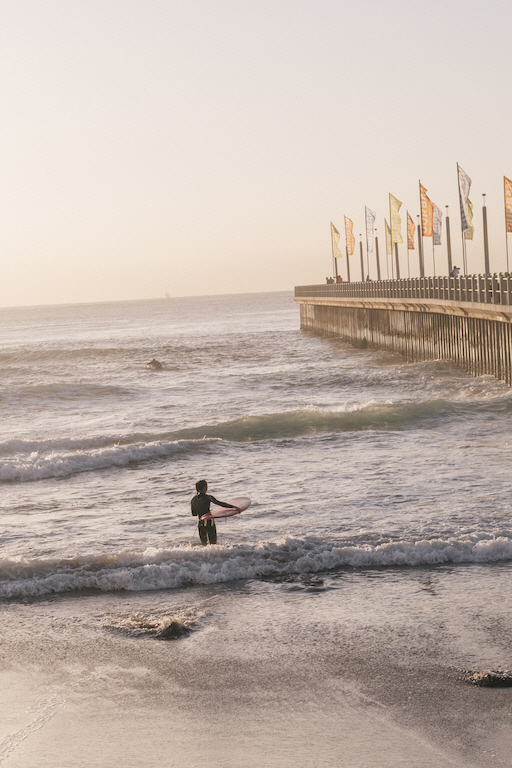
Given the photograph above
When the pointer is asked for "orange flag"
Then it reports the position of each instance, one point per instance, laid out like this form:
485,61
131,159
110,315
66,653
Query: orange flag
427,213
410,232
349,237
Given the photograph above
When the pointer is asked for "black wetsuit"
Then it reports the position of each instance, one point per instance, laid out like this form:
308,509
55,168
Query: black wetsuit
200,506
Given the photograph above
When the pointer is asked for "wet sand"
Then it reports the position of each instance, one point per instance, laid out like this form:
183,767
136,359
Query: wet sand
273,674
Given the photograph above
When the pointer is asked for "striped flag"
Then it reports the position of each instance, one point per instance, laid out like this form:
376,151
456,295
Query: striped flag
464,187
396,221
389,239
370,221
427,213
508,204
349,237
438,225
335,238
410,232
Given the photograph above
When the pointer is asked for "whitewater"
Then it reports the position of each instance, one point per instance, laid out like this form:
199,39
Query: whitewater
375,484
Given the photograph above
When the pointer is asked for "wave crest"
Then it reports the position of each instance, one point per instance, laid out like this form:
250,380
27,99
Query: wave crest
155,569
26,460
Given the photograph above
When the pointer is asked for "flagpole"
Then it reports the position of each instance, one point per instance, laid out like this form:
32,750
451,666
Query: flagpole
361,256
395,227
486,239
387,248
407,234
461,224
433,255
420,250
334,263
462,231
506,222
407,217
377,255
420,235
448,240
397,262
348,265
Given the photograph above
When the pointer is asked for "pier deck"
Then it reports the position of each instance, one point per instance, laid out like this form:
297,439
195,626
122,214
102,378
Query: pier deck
467,320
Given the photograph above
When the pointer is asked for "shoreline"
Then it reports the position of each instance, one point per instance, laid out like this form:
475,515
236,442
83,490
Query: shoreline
272,674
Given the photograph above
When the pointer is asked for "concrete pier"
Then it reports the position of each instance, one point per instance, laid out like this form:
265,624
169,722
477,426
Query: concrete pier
476,335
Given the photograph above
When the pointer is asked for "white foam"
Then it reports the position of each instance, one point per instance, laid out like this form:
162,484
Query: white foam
38,466
155,569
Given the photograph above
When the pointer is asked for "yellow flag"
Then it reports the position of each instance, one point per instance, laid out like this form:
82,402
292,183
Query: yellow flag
508,204
410,232
349,237
427,213
396,221
389,239
468,233
335,238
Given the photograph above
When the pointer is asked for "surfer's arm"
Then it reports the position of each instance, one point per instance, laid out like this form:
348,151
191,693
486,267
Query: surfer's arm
223,504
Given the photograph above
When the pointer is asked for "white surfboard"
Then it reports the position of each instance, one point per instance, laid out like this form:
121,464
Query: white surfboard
242,502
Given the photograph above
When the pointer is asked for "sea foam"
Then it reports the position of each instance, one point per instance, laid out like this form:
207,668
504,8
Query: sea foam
154,569
27,467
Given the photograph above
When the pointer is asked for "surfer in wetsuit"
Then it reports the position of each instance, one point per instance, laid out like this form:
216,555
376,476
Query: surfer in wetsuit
200,506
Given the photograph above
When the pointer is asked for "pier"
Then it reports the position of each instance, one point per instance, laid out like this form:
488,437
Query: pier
466,319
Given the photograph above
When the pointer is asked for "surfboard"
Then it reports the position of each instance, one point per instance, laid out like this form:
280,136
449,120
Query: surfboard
242,502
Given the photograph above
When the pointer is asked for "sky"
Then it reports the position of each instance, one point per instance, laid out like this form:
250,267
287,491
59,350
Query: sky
193,147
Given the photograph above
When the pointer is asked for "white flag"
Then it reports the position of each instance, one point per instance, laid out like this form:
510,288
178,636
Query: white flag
464,187
335,238
370,220
438,225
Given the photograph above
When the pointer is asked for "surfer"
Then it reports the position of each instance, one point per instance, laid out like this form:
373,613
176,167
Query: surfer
156,365
200,505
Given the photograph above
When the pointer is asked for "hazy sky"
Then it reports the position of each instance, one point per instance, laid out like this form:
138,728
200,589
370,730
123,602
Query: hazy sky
203,146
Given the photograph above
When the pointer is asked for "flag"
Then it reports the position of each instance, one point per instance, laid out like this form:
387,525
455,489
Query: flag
396,221
468,233
349,237
438,225
370,220
427,213
410,232
508,204
464,187
335,238
389,239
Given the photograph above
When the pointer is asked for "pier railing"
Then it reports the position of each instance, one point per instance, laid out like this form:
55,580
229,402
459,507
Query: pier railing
483,289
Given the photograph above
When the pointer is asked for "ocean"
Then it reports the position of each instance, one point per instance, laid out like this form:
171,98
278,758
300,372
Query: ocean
342,620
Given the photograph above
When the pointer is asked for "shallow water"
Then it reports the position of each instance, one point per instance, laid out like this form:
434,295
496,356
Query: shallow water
379,538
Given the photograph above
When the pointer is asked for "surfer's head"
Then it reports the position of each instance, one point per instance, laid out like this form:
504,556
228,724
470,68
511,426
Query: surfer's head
201,486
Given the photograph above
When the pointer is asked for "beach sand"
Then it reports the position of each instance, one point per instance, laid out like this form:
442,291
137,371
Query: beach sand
273,674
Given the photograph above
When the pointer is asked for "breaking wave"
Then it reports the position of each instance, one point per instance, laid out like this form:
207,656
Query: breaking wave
61,463
155,569
28,460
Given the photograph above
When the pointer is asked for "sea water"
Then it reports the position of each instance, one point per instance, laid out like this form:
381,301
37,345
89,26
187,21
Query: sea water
375,555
